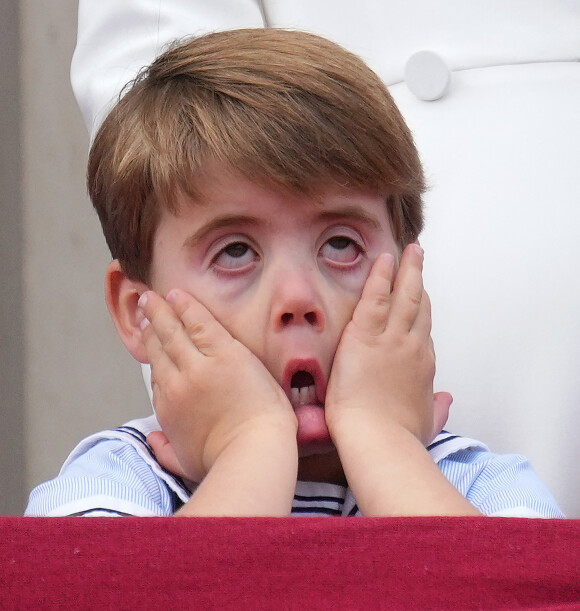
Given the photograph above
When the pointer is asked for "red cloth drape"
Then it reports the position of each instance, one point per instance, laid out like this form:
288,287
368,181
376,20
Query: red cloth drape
289,563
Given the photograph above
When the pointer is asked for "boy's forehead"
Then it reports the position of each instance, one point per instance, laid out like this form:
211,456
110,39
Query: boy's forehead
220,185
232,201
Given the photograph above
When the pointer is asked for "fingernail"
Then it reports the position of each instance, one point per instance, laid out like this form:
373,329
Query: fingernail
144,324
172,296
142,300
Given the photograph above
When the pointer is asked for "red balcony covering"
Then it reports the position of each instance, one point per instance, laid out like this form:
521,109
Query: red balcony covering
289,563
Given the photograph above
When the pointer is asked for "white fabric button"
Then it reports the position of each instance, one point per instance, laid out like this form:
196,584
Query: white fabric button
427,75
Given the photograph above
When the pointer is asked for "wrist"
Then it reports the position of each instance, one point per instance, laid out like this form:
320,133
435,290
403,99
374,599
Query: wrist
255,435
379,420
254,475
392,474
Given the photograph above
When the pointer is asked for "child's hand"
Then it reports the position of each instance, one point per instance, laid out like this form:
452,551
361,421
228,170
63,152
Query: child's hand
441,403
380,407
166,457
209,390
385,362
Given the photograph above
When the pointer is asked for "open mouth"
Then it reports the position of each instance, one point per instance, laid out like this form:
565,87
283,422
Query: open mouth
302,389
304,383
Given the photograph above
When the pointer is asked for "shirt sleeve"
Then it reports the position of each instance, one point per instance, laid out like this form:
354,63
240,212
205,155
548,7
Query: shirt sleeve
500,485
117,38
108,479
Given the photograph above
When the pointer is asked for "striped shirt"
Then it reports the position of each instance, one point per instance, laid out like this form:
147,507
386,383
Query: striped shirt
115,473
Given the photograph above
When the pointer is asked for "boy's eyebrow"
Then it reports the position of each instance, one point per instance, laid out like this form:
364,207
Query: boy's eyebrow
351,212
336,214
217,223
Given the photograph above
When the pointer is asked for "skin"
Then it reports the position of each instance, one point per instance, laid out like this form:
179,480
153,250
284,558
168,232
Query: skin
253,284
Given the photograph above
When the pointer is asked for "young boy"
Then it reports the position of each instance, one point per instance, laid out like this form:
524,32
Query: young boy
259,192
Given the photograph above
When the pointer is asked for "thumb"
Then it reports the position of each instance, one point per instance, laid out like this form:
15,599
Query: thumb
164,453
441,403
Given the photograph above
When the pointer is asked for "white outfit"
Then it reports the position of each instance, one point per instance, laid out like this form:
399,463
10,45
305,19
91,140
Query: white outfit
115,473
500,145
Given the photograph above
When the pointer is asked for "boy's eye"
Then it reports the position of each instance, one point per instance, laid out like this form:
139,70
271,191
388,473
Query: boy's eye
235,255
236,250
341,249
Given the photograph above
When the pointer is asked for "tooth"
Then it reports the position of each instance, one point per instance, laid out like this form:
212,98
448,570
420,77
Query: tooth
303,396
295,396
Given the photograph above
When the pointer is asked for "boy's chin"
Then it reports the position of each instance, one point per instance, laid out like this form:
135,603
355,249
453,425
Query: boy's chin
315,448
318,457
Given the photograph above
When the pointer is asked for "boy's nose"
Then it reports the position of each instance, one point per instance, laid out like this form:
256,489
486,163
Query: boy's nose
296,301
310,318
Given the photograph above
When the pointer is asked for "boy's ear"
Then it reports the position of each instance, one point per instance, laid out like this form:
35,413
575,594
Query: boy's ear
122,296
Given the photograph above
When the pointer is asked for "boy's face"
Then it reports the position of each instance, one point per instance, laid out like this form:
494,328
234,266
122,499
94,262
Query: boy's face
282,273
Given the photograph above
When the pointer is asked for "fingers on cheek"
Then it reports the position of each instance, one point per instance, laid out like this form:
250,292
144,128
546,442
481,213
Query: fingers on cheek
415,252
169,392
410,270
156,312
144,304
144,323
144,317
385,266
180,302
423,322
187,309
150,341
381,276
164,333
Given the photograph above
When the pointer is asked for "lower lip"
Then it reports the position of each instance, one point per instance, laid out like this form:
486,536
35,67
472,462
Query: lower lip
312,429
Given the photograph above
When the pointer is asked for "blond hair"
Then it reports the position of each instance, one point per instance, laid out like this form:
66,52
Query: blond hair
280,107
